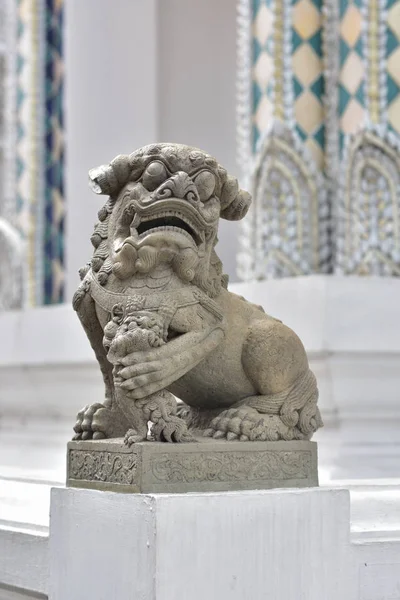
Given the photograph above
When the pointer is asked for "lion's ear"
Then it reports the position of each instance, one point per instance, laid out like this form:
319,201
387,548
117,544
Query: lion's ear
234,202
110,179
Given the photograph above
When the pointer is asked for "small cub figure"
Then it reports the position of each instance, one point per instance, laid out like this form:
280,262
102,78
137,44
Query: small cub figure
131,331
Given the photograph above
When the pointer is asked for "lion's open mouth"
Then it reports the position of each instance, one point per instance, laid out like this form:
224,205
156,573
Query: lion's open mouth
168,222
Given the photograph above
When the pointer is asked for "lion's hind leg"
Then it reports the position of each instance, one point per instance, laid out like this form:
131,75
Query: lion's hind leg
285,407
291,415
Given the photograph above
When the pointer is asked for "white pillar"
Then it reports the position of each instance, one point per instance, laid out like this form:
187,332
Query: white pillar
280,544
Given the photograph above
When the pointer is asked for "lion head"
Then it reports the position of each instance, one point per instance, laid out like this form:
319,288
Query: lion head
165,202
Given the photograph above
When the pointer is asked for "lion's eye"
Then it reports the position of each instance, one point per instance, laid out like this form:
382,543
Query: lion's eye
205,183
154,175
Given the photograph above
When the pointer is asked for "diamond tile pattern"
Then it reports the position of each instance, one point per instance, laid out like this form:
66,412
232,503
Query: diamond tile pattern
262,60
393,65
307,67
39,116
351,78
54,152
23,109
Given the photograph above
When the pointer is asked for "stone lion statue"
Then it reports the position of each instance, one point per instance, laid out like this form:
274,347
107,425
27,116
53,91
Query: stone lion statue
155,306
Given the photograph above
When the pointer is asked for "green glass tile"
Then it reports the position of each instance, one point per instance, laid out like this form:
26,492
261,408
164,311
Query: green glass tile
317,3
357,3
390,3
255,136
297,40
48,268
20,63
257,93
341,139
60,246
256,50
20,167
316,42
297,87
359,47
49,87
344,98
392,42
317,87
20,132
359,95
20,97
20,203
301,132
319,136
393,89
343,4
343,51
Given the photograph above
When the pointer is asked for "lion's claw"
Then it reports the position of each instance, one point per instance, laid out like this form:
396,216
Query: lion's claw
132,437
247,424
94,422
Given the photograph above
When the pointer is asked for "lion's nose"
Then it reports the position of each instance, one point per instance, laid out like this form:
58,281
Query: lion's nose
180,186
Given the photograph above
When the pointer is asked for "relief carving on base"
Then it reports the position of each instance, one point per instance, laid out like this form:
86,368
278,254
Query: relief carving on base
103,466
232,466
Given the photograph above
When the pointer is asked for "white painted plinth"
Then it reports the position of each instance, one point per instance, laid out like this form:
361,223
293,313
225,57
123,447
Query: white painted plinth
280,544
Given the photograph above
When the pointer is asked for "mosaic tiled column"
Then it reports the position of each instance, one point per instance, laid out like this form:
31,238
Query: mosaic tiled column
10,239
368,227
287,232
39,148
324,150
53,280
351,88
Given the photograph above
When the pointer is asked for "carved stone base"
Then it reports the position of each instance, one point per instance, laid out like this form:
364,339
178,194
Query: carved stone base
204,466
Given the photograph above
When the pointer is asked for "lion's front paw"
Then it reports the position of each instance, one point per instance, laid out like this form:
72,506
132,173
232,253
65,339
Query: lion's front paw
96,422
247,424
90,422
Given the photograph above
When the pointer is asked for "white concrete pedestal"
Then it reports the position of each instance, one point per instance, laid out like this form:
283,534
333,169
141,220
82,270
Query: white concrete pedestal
280,544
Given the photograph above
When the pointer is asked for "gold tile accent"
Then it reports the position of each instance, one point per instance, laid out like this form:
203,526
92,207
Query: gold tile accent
393,65
353,117
393,19
316,152
306,19
264,114
307,66
58,206
279,110
352,73
373,79
394,114
350,28
308,112
262,26
263,70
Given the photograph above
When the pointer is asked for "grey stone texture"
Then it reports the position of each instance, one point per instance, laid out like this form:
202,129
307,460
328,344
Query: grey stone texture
155,306
202,466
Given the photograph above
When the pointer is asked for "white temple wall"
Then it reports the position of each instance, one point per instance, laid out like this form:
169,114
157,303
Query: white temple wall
197,89
110,104
137,72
